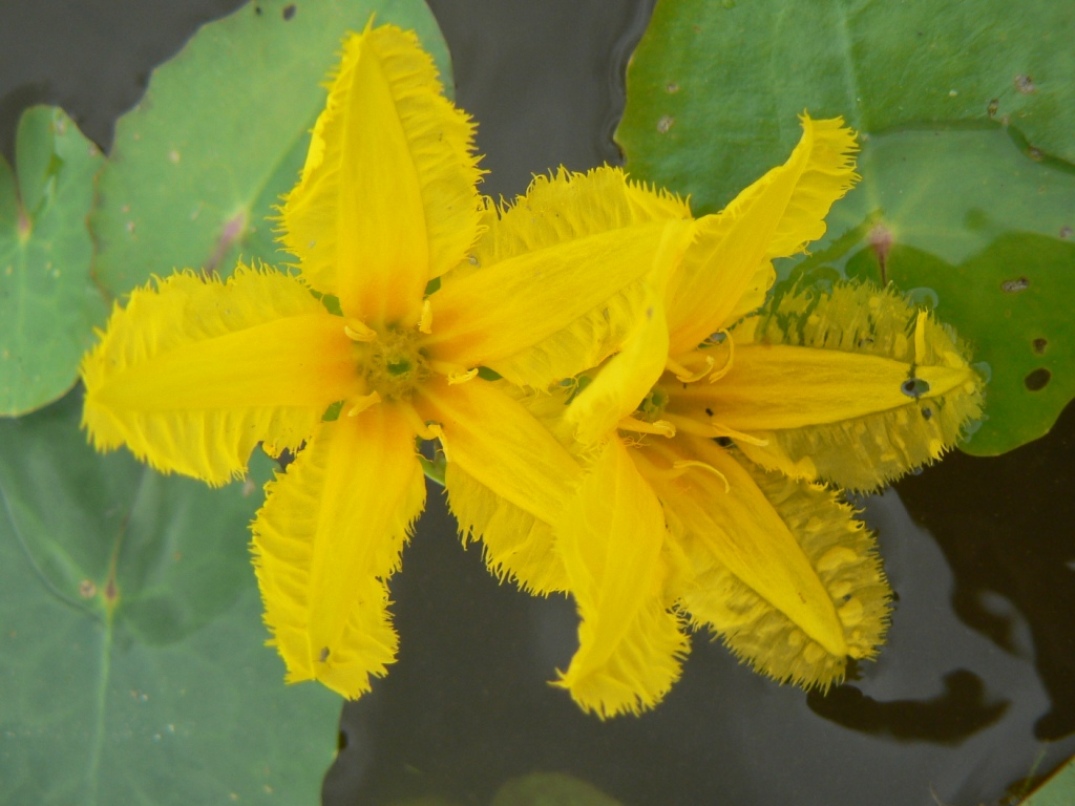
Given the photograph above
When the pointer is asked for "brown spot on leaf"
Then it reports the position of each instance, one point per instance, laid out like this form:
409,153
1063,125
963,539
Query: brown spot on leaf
232,231
1039,345
1015,286
665,123
1024,84
86,589
289,11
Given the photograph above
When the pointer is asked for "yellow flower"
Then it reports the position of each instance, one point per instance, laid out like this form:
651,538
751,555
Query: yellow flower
419,283
710,435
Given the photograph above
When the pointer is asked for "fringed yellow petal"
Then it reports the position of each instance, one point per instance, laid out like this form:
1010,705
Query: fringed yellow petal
727,271
515,545
561,278
326,541
623,381
860,386
507,478
387,199
728,518
192,374
569,205
826,153
842,553
630,645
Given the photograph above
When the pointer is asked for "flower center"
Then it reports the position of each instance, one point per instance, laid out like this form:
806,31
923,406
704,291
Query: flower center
389,360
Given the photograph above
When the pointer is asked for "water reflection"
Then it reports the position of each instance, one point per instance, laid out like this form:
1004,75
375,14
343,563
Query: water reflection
959,712
945,712
1005,526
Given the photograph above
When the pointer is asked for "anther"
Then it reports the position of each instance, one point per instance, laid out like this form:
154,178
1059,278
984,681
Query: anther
698,428
357,330
660,427
716,375
425,322
685,375
461,377
363,403
685,464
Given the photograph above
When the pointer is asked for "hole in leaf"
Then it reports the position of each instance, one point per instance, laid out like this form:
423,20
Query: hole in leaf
1038,379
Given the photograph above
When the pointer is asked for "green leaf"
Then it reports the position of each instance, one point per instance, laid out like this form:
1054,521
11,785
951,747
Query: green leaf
48,300
132,657
551,789
1058,790
967,116
998,270
221,134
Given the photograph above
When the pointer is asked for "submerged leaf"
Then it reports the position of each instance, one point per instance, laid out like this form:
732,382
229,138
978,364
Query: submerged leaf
132,645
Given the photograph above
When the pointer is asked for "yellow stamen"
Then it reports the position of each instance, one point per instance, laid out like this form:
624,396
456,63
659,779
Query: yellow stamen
357,330
424,430
363,403
461,377
685,375
453,372
697,428
681,466
436,432
716,375
425,322
660,427
677,468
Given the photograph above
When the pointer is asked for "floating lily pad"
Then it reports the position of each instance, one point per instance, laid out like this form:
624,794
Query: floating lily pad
967,113
48,300
1058,790
132,655
202,161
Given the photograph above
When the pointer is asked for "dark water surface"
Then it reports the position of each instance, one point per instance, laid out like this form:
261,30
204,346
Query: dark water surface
976,687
